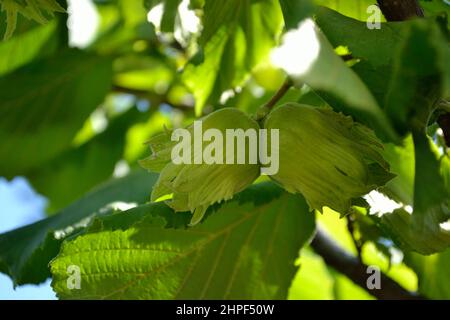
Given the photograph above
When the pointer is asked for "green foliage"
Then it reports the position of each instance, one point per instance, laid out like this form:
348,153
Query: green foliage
229,46
356,9
37,10
72,120
376,60
372,49
81,163
421,75
341,87
433,274
245,249
431,195
33,44
26,252
41,115
169,12
416,75
295,11
315,281
426,190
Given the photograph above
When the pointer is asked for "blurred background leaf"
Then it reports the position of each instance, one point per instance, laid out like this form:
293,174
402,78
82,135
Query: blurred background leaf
40,115
236,36
72,121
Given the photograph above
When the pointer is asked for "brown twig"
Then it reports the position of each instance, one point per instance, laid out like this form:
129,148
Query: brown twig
155,99
279,94
337,258
265,109
399,10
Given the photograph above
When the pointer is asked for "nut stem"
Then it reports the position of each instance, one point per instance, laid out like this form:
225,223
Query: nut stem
266,108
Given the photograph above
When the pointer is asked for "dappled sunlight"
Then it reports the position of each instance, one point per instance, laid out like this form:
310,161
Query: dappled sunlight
155,15
445,225
188,24
121,169
380,204
299,50
83,22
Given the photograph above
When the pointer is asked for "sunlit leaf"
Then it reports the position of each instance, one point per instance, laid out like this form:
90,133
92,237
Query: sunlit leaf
45,103
236,253
433,274
324,71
